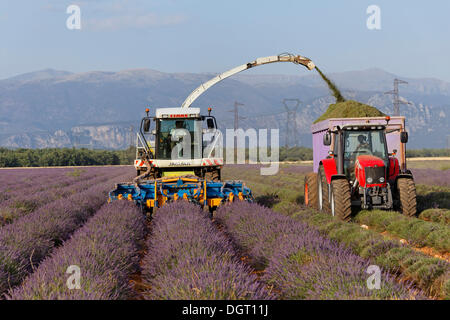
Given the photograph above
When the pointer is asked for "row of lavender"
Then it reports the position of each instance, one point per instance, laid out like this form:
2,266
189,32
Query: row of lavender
430,274
299,262
24,181
105,251
28,200
27,241
188,258
12,181
431,177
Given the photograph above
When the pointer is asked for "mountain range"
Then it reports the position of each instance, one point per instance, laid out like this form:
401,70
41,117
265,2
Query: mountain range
51,108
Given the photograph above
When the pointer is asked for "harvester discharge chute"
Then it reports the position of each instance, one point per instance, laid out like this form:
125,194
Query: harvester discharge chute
151,194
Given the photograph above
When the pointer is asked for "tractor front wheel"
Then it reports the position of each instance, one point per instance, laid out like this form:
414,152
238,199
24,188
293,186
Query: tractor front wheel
406,190
341,202
311,190
322,191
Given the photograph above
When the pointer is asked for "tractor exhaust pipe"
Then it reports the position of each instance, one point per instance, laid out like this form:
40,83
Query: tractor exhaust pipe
340,152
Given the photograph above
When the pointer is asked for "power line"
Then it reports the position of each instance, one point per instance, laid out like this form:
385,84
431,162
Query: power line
397,101
254,116
236,114
131,136
291,116
236,119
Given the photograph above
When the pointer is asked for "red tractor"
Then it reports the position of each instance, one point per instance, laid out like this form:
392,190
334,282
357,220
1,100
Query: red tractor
354,168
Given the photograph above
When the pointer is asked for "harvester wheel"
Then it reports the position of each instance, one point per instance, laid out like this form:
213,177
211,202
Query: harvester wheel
311,190
213,175
406,189
341,202
322,191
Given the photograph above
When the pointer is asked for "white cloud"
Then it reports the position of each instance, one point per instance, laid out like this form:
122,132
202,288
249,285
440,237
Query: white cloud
111,15
149,20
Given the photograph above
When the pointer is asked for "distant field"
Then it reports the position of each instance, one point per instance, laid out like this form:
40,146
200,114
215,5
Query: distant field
62,167
433,163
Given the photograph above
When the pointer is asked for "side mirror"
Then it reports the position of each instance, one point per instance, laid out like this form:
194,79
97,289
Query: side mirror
327,139
404,137
210,123
146,125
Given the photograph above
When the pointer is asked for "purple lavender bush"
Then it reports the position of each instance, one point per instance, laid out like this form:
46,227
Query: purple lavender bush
20,205
426,272
189,258
106,251
15,180
296,169
432,177
27,241
25,181
298,261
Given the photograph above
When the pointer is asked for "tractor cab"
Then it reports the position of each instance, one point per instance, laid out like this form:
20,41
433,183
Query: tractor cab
175,127
362,143
179,141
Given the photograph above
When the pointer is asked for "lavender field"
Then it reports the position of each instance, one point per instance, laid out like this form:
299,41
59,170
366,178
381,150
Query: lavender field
56,221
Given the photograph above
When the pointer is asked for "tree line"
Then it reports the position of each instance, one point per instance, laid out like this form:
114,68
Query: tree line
86,157
64,157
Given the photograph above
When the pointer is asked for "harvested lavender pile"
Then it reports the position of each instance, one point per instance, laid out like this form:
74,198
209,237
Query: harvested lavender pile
350,109
345,108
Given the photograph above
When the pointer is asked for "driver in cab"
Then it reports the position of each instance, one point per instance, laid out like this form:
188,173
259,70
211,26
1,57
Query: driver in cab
179,131
363,146
177,134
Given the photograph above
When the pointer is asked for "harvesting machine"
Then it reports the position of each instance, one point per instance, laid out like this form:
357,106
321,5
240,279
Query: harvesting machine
181,157
360,162
182,162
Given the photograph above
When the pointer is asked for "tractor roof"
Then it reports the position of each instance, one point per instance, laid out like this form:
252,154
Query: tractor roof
178,113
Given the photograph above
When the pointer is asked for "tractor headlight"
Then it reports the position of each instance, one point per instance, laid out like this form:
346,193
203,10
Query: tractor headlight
382,179
369,180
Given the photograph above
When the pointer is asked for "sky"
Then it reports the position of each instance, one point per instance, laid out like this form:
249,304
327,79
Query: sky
213,36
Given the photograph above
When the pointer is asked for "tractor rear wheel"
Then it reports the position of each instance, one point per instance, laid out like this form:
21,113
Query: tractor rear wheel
322,191
341,202
406,190
311,190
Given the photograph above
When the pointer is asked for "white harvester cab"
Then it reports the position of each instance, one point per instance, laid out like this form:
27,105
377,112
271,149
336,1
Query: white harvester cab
179,142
